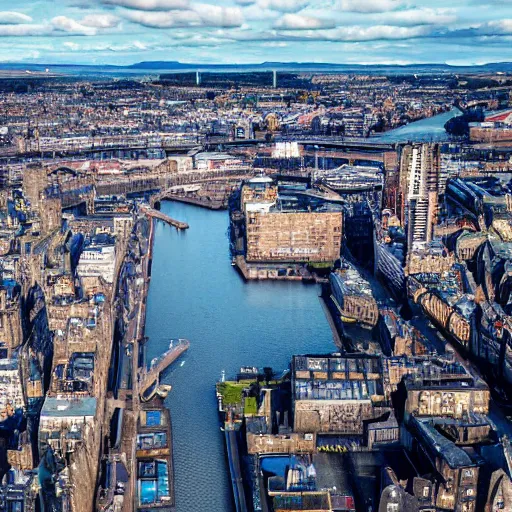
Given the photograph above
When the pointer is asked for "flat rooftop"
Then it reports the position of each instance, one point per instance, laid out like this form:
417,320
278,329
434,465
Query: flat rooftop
55,407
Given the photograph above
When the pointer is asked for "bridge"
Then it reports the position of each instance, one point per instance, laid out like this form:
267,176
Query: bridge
136,148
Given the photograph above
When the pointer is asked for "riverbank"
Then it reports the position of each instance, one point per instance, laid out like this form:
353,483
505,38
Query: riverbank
277,272
197,294
425,130
144,434
202,202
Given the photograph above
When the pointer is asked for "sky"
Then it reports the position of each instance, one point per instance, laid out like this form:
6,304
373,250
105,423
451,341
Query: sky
252,31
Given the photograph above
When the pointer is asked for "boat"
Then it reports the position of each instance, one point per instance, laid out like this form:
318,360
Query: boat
163,390
149,393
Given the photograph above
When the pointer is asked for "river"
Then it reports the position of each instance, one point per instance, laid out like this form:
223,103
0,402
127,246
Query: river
425,130
196,294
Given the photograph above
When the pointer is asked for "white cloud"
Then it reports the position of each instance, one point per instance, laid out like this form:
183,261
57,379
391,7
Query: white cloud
292,21
61,25
13,18
496,29
135,46
283,5
374,33
499,26
352,34
217,16
275,44
71,26
71,45
169,19
150,5
24,30
205,15
368,5
100,20
348,34
255,13
420,16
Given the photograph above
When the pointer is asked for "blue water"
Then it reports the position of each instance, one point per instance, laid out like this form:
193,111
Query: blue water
425,130
196,294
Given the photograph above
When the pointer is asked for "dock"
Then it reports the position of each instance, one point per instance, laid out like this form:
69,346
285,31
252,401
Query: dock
155,214
203,203
150,377
235,470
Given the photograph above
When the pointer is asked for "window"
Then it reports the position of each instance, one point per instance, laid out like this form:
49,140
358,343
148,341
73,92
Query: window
426,491
392,507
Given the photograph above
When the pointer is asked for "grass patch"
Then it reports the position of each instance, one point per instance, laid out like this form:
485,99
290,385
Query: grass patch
232,391
320,265
251,405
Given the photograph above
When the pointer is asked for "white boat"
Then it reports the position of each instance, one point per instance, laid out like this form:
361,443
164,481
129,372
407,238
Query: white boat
163,390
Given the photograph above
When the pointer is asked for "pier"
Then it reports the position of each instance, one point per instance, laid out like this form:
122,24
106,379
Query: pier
151,376
155,214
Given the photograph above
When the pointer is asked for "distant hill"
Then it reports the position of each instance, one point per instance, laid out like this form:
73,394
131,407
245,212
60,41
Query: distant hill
166,66
298,66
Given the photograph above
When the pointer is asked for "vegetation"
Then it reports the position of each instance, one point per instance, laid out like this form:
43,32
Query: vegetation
320,264
251,405
232,392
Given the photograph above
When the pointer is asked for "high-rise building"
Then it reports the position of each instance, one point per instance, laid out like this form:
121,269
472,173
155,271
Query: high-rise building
419,169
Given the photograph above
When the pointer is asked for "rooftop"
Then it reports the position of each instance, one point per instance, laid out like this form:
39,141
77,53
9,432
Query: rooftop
59,407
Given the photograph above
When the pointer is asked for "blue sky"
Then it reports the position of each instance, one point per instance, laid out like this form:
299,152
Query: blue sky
252,31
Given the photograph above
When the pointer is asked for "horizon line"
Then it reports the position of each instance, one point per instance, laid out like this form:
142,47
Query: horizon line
263,63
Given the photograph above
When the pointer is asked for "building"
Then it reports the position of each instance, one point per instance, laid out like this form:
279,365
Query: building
352,295
64,421
419,171
337,395
98,259
293,237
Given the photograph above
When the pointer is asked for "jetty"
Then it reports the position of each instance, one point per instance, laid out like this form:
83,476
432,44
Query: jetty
155,214
151,376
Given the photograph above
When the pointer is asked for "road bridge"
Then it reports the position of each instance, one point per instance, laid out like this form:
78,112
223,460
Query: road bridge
11,155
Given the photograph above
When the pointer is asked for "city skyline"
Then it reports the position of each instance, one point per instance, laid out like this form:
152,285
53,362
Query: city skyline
335,31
